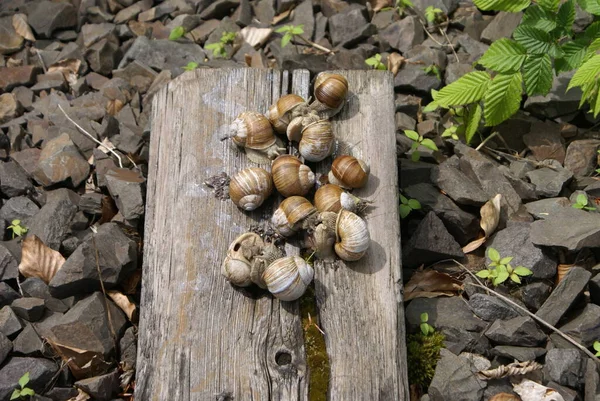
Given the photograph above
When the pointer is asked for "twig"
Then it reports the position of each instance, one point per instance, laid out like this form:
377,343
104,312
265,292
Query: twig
540,320
443,32
313,44
486,140
106,300
19,285
41,61
428,33
91,136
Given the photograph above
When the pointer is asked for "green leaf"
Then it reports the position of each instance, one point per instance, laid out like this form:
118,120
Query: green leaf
483,273
227,37
15,222
285,28
286,39
472,123
429,144
298,29
176,33
504,55
506,260
592,31
522,271
415,156
403,199
381,67
535,40
24,380
468,89
424,329
577,206
540,18
424,317
537,74
566,15
587,73
597,345
502,5
515,278
372,61
191,66
591,6
493,255
550,5
27,391
15,394
404,211
502,276
414,204
411,134
502,98
582,199
433,106
213,46
574,53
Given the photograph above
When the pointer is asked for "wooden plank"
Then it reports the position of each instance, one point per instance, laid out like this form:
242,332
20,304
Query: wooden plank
360,302
200,339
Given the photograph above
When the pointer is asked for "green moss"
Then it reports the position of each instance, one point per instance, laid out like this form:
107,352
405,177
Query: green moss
423,355
316,353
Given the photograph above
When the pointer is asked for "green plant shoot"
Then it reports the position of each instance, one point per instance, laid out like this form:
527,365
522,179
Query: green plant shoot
597,347
426,328
500,269
177,33
192,65
375,62
218,48
408,205
433,14
581,202
24,391
433,70
418,140
17,228
289,32
450,132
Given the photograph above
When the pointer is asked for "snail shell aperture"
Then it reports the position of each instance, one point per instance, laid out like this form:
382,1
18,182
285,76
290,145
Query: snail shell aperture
250,187
237,265
353,237
288,278
293,214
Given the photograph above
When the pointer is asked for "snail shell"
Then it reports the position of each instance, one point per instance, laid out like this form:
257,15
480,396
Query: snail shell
252,130
293,214
237,265
249,188
288,278
281,112
349,172
291,177
330,93
317,141
269,254
353,237
295,127
327,198
323,238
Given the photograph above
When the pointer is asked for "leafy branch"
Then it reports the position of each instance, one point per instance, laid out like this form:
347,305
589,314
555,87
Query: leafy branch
219,48
24,391
419,140
500,269
292,32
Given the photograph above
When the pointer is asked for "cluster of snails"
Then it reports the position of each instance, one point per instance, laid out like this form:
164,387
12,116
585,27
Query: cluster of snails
332,224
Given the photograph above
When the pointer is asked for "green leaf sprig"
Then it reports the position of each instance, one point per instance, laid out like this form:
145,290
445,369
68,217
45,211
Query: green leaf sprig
581,202
177,33
500,269
426,328
289,32
407,206
419,140
375,62
17,229
219,48
24,391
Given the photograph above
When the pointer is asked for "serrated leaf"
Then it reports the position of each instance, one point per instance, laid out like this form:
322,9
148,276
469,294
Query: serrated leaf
429,144
503,98
566,15
404,211
592,31
537,75
24,380
411,134
493,255
483,273
467,89
176,33
591,6
540,18
472,122
515,278
587,73
574,53
504,55
414,204
535,40
522,271
549,5
505,260
502,5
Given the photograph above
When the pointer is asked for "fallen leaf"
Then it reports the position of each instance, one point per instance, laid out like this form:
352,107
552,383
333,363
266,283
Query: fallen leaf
490,215
38,260
109,210
107,145
473,245
82,363
430,284
256,36
379,4
68,67
278,18
81,396
505,397
19,23
114,106
394,62
130,283
124,303
532,391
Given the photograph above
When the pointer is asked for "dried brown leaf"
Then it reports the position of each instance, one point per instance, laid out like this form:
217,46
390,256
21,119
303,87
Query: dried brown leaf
532,391
68,67
490,215
379,4
124,303
109,210
81,396
21,26
37,260
473,245
394,63
505,397
429,284
114,106
82,363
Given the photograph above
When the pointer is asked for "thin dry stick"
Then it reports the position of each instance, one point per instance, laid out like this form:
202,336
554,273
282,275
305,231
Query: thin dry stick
540,320
481,145
449,43
41,61
91,136
313,44
106,300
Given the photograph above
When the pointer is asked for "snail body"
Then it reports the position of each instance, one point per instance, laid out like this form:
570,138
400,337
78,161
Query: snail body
249,188
317,141
291,177
330,93
349,172
288,278
237,266
268,255
284,110
352,236
293,214
332,198
254,133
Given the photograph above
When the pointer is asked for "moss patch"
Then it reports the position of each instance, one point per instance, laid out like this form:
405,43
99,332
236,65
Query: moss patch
316,353
423,355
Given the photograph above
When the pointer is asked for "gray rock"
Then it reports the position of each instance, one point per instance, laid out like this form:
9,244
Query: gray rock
28,343
5,347
41,371
7,295
502,26
90,203
443,313
79,274
521,354
594,289
585,327
591,380
459,340
521,331
350,27
130,12
593,189
48,16
85,326
545,141
407,104
564,366
456,70
427,56
13,180
52,223
9,322
103,56
403,35
303,15
566,393
61,163
581,157
412,173
404,122
521,167
413,78
10,40
348,60
219,9
525,190
27,159
157,12
460,188
567,227
24,96
102,388
11,77
453,379
546,207
515,241
30,309
92,33
10,108
474,49
162,54
9,267
127,189
447,6
490,308
535,294
558,102
431,242
462,225
496,386
62,393
564,295
128,348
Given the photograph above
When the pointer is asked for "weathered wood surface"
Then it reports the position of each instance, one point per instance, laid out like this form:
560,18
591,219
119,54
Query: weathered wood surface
200,338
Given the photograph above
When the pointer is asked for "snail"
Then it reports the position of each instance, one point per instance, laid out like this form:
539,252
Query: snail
330,93
295,127
332,198
323,238
291,177
237,265
254,133
288,278
317,141
268,255
293,214
349,172
352,236
284,110
249,188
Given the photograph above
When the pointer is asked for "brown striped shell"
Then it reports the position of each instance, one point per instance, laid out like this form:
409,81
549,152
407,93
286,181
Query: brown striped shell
349,172
249,188
291,214
317,141
353,237
291,177
331,89
288,278
327,198
252,130
280,113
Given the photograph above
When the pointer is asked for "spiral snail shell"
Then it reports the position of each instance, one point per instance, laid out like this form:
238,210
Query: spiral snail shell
330,92
254,133
332,198
352,235
284,110
293,214
291,177
249,188
317,141
288,278
237,266
349,172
